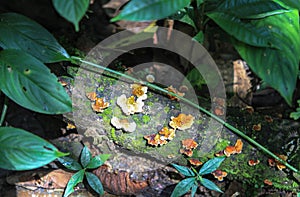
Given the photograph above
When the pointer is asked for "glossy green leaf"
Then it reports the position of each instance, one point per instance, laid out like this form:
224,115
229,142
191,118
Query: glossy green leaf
291,3
210,185
74,180
94,182
243,31
97,161
137,10
21,150
250,9
85,156
194,189
199,37
70,163
71,10
277,67
183,170
28,82
211,165
183,187
20,32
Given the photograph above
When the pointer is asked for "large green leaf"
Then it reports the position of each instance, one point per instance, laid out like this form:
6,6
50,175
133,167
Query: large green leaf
70,163
74,180
291,3
137,10
20,32
28,82
243,31
94,182
21,150
210,185
71,10
183,187
250,8
183,170
277,67
211,165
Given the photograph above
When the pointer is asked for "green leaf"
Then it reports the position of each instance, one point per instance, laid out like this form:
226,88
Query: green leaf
199,37
21,150
28,82
85,157
243,31
277,67
74,180
296,115
210,185
291,3
71,10
183,170
94,182
70,163
137,10
183,187
194,189
97,161
211,165
20,32
245,9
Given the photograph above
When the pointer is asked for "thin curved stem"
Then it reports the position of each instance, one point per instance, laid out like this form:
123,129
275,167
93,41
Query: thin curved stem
232,128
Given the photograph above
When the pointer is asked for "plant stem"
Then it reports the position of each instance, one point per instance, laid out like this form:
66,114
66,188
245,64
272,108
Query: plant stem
233,129
4,110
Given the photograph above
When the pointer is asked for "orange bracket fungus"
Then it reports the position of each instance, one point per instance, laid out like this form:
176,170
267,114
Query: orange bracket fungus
237,148
139,91
123,124
167,133
188,146
252,162
195,162
155,139
174,90
182,121
219,174
91,96
99,105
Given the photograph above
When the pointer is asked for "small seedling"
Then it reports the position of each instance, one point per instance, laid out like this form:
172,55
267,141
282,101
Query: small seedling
86,163
193,177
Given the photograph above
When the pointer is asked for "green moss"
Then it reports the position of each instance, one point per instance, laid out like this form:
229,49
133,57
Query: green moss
146,119
113,134
167,109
